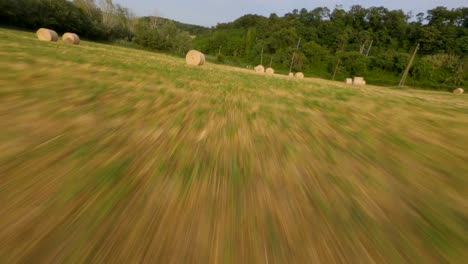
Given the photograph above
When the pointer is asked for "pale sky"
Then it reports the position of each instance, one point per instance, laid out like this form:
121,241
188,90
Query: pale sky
211,12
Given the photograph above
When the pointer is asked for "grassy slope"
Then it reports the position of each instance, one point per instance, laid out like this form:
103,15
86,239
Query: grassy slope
113,154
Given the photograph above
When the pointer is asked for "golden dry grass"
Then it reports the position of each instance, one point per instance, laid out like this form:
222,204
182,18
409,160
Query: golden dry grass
115,155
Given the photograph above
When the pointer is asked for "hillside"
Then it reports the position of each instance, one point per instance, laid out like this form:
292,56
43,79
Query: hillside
374,42
115,155
194,30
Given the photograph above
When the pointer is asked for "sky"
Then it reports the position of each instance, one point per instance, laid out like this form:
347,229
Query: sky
211,12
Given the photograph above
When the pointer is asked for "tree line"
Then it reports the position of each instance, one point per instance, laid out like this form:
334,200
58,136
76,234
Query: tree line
84,17
100,20
373,42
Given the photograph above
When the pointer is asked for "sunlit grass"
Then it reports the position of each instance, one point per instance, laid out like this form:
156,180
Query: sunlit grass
109,154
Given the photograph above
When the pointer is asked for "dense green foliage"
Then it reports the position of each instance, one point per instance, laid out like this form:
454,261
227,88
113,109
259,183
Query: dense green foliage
374,42
84,17
161,34
194,30
98,20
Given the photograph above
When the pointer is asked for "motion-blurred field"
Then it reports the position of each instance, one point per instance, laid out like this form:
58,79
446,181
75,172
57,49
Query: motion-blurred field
116,155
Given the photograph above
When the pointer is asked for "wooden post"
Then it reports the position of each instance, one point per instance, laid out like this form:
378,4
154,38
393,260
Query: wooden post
294,55
370,46
405,74
261,58
336,68
363,46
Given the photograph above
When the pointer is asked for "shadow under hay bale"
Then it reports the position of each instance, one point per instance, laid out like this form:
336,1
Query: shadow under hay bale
195,58
45,34
71,38
270,71
458,91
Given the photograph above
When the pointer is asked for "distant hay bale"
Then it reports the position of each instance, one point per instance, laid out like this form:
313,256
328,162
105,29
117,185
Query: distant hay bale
195,58
349,81
71,38
259,69
458,91
270,71
359,81
45,34
299,75
291,74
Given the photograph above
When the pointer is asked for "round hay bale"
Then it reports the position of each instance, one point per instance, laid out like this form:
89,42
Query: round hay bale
359,81
195,58
270,71
299,75
259,69
349,81
291,74
45,34
71,38
458,91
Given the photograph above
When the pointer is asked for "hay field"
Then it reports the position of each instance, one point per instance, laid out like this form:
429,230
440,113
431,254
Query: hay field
113,155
